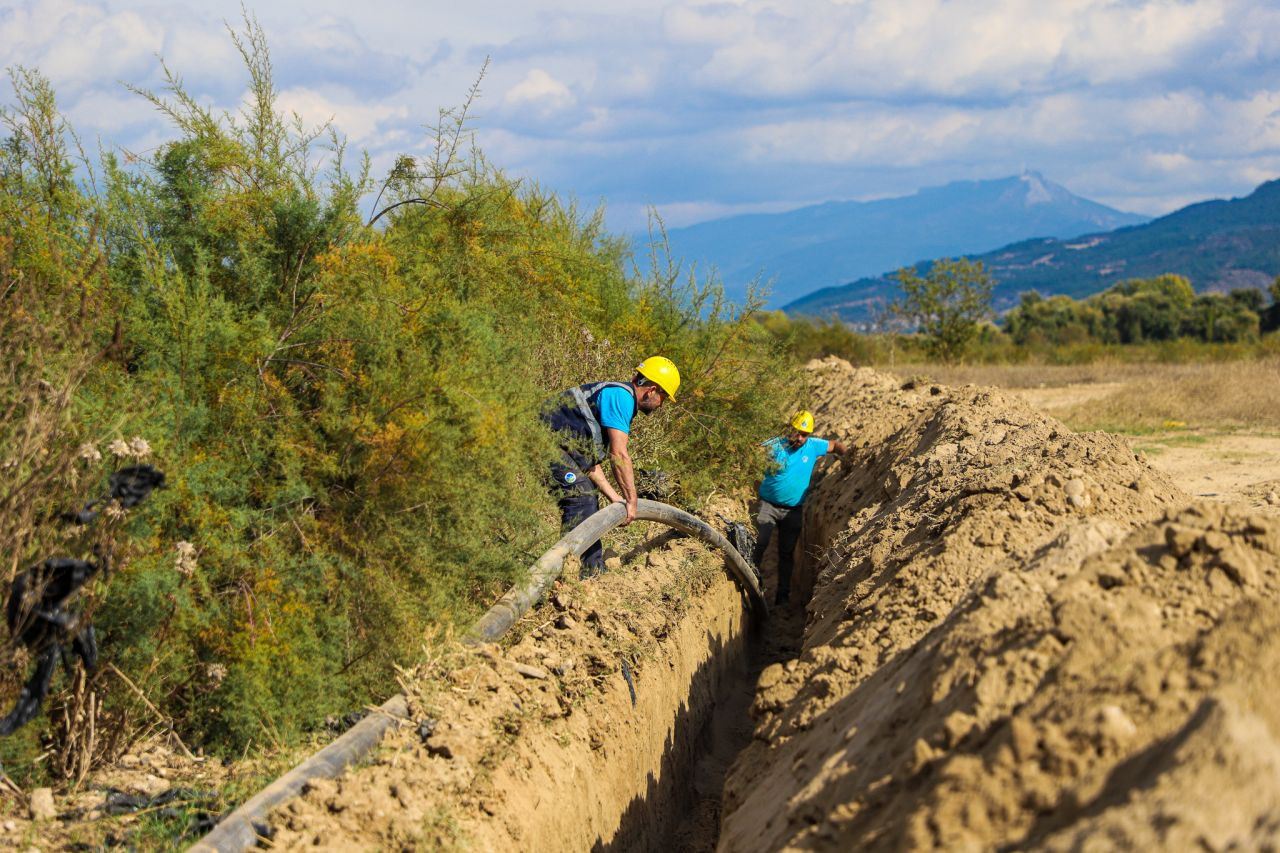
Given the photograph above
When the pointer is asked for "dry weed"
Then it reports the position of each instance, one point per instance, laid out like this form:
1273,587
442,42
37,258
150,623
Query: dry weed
1222,395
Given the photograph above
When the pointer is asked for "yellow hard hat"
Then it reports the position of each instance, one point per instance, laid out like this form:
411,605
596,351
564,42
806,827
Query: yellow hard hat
661,372
803,421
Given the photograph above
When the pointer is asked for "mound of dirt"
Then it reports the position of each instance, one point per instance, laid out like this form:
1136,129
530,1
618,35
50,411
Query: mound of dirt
1017,636
583,732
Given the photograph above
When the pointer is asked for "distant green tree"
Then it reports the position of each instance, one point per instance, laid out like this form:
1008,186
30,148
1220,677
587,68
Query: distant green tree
1145,309
946,304
1162,308
1250,297
1176,289
1215,318
1270,316
1055,320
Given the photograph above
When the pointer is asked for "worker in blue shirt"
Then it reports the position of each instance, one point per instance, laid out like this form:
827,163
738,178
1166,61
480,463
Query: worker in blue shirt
594,422
782,493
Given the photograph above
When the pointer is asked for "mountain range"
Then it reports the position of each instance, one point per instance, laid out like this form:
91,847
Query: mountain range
829,244
1218,245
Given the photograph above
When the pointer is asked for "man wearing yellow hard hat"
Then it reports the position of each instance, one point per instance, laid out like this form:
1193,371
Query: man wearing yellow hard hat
782,493
594,422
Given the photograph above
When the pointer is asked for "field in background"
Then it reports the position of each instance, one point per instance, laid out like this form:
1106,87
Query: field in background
1213,427
1138,398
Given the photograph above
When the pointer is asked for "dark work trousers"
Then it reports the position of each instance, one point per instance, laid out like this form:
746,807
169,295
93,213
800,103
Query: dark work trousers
578,500
788,520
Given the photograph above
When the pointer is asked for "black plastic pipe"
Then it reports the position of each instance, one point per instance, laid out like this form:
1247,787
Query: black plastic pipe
520,598
242,829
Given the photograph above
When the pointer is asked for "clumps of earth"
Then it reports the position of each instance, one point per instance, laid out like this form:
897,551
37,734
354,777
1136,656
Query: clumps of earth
543,742
1015,636
1018,636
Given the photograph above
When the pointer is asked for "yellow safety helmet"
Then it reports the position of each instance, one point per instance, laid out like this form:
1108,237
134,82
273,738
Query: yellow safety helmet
661,372
803,421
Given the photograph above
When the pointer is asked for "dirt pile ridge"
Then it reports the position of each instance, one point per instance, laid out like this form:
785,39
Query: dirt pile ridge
584,733
1017,636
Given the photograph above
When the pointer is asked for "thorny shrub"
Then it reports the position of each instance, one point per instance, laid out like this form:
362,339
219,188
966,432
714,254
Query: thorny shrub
348,413
57,342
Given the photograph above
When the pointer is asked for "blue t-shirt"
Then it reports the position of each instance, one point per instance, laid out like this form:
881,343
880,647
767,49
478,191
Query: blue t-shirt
787,485
617,407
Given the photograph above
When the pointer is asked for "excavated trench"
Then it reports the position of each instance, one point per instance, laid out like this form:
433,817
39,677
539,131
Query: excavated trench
1003,634
611,724
727,727
689,720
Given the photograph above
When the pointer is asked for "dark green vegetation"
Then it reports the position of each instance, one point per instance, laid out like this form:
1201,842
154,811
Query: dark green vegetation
1159,309
1216,245
346,413
1155,320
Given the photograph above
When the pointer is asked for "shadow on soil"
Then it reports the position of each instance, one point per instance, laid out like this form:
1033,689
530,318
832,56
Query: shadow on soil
680,809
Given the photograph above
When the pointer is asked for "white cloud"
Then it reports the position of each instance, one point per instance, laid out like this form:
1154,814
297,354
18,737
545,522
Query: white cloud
541,90
77,45
1173,161
205,53
941,48
112,111
357,119
721,105
869,134
1259,122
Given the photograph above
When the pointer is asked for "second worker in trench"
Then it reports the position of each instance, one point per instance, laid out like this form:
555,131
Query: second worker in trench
782,491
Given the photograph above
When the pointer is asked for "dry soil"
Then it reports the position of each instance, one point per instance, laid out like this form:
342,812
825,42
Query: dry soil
1018,637
1005,635
1014,636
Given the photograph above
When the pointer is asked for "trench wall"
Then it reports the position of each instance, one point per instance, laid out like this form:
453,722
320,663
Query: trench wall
620,777
1018,637
538,746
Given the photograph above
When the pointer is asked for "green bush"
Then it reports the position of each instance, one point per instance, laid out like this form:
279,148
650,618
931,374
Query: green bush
348,413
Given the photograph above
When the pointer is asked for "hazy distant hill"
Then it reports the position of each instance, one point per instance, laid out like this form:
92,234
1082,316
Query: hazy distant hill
829,244
1216,244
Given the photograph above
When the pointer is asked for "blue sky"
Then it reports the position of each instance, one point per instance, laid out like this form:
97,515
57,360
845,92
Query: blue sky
704,109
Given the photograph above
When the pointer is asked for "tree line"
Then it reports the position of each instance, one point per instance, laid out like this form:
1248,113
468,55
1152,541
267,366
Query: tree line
946,314
1155,309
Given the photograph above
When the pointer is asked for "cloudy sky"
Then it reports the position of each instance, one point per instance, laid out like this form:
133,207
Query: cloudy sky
703,109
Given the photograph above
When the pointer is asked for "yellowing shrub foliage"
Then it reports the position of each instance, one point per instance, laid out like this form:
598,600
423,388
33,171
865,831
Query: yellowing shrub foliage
348,413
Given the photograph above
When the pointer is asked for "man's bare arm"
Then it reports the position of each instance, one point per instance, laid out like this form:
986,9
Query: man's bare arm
622,470
838,447
596,475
